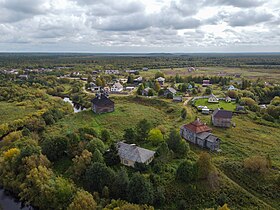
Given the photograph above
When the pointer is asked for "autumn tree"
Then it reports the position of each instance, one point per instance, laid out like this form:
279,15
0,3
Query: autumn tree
204,165
83,200
157,86
80,163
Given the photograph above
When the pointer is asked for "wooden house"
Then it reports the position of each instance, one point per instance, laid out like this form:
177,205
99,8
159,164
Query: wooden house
102,104
200,134
160,80
117,87
170,92
222,118
145,92
206,83
130,154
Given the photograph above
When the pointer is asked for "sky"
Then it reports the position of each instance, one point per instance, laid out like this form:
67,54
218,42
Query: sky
134,26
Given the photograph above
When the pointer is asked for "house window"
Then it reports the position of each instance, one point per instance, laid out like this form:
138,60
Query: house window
125,162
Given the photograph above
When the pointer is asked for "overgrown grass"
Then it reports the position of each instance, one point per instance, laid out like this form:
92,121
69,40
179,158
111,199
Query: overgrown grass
11,111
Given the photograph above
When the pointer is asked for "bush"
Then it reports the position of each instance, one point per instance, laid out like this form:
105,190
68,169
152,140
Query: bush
256,164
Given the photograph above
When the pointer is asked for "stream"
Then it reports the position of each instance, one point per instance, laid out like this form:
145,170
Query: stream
77,108
8,202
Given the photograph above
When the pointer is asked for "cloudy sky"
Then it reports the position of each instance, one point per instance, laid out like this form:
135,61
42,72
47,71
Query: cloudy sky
140,25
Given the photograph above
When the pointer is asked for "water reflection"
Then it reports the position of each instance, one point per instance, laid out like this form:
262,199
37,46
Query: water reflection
76,107
8,202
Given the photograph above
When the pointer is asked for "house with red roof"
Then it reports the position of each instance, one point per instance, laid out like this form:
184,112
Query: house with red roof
200,134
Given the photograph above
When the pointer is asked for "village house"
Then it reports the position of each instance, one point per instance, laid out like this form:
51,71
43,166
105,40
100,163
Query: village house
213,99
231,87
228,99
94,88
160,80
117,87
177,99
129,88
132,71
138,80
222,118
240,108
206,83
145,92
102,104
170,92
112,72
23,77
191,69
200,134
130,154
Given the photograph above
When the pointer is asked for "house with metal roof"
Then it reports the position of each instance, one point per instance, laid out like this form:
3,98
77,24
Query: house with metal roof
160,80
222,118
200,134
130,154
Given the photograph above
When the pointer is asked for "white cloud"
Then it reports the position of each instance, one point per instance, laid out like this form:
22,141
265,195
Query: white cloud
143,25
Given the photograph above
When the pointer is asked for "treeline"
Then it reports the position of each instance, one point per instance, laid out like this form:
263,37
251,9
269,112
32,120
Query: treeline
137,61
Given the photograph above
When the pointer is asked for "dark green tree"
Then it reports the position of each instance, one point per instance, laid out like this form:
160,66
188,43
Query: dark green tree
185,171
140,190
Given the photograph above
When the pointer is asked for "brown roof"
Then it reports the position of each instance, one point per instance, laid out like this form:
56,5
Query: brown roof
197,127
219,113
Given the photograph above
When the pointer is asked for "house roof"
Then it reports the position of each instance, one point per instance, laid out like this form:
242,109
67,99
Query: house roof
172,90
134,153
160,79
207,136
213,96
197,127
102,100
118,85
220,113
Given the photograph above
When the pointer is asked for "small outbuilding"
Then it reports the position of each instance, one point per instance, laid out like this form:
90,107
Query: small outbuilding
228,99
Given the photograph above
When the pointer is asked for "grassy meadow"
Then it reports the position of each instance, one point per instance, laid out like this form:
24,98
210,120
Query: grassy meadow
222,104
267,74
11,111
246,139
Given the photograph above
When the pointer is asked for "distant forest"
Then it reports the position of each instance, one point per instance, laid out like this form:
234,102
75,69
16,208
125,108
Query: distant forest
139,61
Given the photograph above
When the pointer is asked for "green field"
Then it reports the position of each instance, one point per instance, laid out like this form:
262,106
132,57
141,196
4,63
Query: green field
222,104
128,112
267,74
10,112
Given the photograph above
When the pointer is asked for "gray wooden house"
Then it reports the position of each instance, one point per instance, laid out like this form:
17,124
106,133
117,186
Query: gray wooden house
222,118
200,134
102,104
130,154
